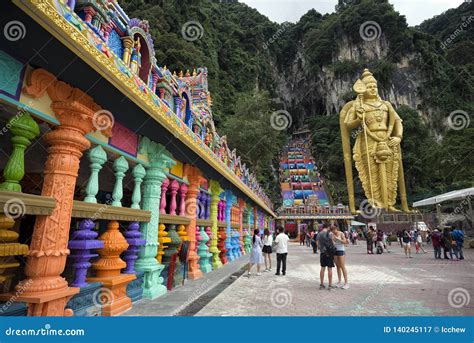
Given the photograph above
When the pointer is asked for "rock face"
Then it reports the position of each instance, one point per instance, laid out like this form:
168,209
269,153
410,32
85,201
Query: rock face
307,93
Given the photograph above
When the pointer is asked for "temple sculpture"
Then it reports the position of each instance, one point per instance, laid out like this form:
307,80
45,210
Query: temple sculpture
376,152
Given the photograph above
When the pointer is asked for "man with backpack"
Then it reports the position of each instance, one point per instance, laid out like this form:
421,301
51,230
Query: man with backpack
458,237
327,251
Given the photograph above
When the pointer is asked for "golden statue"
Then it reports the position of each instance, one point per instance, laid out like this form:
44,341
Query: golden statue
377,153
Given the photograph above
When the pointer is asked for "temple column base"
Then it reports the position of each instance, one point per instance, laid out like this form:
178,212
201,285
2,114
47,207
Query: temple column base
152,281
135,288
117,302
50,303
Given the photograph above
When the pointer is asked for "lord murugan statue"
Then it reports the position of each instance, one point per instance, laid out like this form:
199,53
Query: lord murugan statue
377,154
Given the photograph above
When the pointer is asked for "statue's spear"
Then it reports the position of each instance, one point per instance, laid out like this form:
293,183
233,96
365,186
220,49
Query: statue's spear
360,88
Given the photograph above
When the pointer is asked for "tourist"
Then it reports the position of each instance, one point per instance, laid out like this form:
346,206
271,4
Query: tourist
379,240
399,237
327,250
418,244
436,241
447,242
256,254
355,237
281,243
370,237
340,241
308,239
302,237
314,241
458,237
406,239
267,250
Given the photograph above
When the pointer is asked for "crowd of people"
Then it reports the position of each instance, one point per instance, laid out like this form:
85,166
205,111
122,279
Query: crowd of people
449,240
332,242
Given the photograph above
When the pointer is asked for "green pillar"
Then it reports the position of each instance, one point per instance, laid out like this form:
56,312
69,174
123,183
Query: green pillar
159,161
97,158
120,167
216,190
24,129
138,173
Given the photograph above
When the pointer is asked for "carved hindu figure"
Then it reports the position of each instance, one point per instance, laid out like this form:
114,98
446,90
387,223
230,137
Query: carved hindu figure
376,152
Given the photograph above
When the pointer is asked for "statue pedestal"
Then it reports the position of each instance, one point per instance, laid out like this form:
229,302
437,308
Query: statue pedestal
83,303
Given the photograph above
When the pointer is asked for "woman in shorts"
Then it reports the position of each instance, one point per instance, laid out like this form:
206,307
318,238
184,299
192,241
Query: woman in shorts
340,241
406,238
267,250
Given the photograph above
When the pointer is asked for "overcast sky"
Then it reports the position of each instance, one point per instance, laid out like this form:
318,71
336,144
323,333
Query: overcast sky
291,10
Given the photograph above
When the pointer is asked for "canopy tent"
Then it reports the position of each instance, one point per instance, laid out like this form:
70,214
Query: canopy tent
356,223
454,195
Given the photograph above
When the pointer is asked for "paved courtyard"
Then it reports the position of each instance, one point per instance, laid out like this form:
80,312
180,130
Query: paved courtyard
381,285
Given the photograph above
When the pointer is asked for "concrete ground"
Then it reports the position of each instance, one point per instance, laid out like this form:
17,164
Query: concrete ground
380,285
190,298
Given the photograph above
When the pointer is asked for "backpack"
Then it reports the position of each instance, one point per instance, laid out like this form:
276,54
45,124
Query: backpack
329,245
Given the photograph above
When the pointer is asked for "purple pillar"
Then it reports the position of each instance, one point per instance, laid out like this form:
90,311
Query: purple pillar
81,242
133,237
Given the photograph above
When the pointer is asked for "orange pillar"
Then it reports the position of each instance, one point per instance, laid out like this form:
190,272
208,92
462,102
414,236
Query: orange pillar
195,180
45,291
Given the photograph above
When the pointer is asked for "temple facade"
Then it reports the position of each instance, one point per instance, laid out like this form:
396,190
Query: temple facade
116,185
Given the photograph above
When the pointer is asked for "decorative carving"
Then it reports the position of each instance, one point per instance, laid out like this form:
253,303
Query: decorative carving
48,250
160,161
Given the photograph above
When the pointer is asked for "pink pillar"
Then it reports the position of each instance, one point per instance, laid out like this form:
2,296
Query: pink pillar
182,199
174,190
164,187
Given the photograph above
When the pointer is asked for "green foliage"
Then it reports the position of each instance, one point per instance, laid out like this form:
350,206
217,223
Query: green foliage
245,52
250,129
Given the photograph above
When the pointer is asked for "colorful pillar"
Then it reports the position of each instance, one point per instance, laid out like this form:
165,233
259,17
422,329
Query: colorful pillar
24,129
230,200
216,190
241,203
195,180
160,161
45,291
